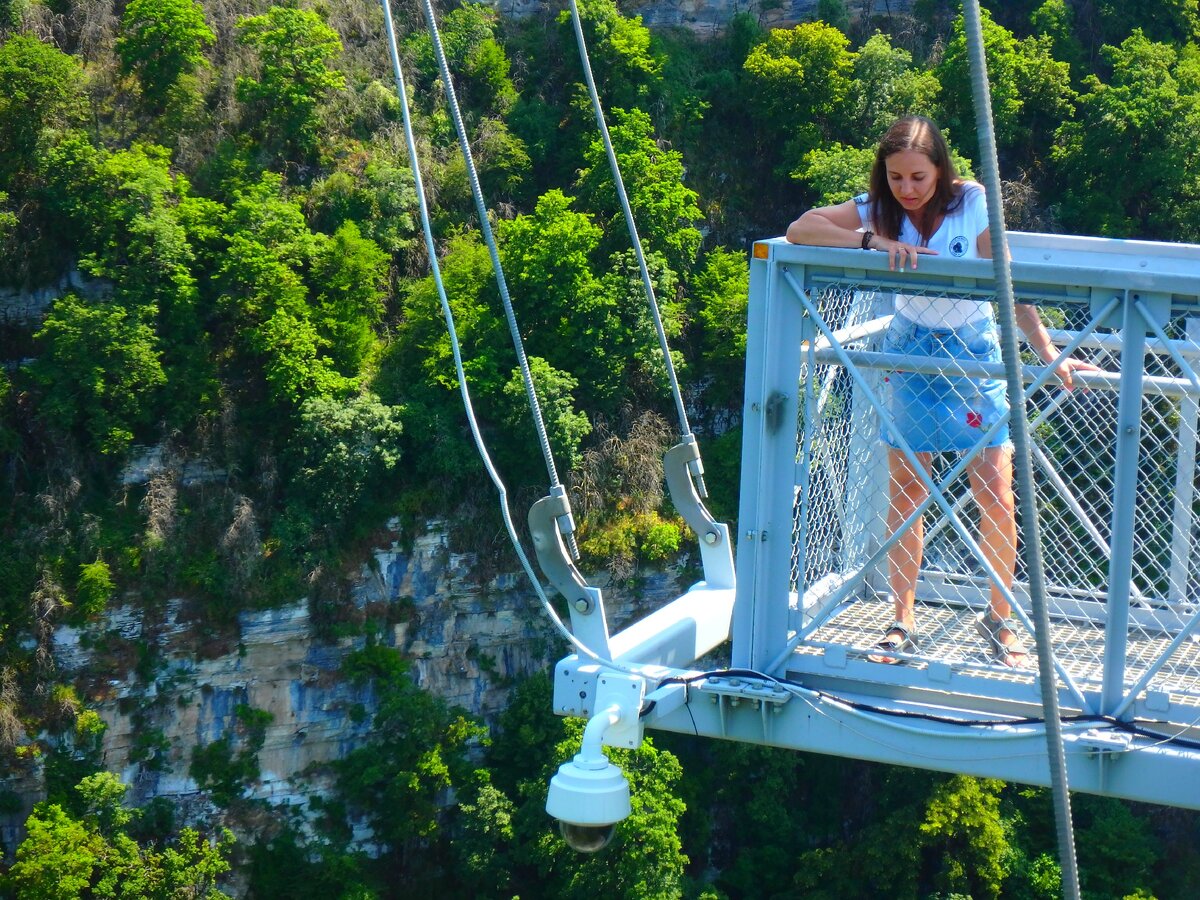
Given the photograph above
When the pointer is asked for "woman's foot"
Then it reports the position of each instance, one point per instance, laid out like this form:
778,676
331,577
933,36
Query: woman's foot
899,638
1002,642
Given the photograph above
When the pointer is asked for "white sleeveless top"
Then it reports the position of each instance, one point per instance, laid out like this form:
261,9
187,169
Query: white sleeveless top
955,238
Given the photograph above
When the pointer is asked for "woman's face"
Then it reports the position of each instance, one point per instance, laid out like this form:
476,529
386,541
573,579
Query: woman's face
912,177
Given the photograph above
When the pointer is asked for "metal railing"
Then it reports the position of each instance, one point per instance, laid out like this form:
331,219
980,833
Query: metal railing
1114,460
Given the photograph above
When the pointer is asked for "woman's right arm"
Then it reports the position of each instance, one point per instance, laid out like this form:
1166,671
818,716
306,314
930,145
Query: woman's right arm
828,226
837,226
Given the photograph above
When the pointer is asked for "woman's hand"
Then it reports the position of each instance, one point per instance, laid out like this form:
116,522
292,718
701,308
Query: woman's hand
1042,344
1068,367
900,255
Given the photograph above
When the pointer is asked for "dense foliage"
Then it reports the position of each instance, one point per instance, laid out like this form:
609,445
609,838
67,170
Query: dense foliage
217,198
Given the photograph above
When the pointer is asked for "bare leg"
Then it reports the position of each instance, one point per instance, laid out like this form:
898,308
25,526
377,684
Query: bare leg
908,492
991,482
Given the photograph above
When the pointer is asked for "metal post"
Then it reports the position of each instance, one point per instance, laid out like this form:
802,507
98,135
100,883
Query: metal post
769,433
1125,477
1185,486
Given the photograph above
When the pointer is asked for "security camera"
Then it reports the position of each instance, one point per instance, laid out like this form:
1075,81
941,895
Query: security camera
587,838
588,796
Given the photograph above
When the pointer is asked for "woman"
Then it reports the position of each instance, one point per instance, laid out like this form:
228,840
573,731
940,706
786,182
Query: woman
917,205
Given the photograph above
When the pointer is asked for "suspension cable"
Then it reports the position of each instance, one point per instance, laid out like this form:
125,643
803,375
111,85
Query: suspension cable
489,238
647,284
464,389
1030,534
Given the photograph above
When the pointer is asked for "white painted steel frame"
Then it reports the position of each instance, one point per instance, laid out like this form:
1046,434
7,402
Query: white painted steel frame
828,704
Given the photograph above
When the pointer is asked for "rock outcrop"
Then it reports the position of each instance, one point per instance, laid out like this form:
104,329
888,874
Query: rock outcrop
467,642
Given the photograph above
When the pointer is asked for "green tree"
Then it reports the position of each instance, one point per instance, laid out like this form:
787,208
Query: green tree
64,856
98,367
633,354
800,86
963,817
122,209
1168,21
401,776
57,857
664,208
720,292
483,841
625,62
417,369
13,12
349,272
295,51
565,426
475,56
162,41
1055,20
547,260
1117,849
281,357
836,173
41,90
834,13
1031,93
886,87
597,329
377,196
93,590
1127,163
341,452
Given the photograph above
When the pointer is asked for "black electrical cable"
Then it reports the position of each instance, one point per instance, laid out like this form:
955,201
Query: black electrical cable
1115,724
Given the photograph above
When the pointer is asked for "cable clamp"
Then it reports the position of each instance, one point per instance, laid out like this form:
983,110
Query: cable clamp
1105,742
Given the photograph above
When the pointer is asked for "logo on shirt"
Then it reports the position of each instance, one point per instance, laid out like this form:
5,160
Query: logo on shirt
959,245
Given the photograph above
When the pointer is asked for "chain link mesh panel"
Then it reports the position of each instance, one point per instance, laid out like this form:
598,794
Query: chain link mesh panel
903,386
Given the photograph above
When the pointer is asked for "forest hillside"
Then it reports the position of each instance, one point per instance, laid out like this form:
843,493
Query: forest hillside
225,372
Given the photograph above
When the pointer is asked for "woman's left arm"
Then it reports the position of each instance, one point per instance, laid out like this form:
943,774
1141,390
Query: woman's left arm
1035,332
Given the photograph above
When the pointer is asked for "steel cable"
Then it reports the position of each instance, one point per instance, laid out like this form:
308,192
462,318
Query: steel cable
1031,537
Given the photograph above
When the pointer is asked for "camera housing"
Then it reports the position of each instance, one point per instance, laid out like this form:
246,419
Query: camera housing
587,838
588,796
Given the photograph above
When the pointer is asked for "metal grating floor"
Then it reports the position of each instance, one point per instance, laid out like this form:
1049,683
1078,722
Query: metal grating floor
947,634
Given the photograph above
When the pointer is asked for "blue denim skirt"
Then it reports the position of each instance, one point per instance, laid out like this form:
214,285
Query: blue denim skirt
936,413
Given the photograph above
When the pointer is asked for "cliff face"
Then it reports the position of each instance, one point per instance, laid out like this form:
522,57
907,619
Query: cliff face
466,641
709,17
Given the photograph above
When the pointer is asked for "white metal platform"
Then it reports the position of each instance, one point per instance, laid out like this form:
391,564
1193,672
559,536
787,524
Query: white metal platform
1118,497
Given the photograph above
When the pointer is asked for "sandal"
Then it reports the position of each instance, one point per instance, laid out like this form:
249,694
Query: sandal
899,638
1011,654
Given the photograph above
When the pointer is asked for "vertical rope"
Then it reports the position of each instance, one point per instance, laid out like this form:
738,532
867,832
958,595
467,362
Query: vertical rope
1021,455
684,428
464,390
489,238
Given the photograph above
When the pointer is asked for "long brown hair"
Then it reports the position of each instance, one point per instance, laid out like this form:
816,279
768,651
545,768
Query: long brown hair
920,134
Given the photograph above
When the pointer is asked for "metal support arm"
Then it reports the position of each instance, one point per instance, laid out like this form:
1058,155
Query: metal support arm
681,464
549,519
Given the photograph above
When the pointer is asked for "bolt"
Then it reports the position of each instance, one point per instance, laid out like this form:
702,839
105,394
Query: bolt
710,538
582,605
